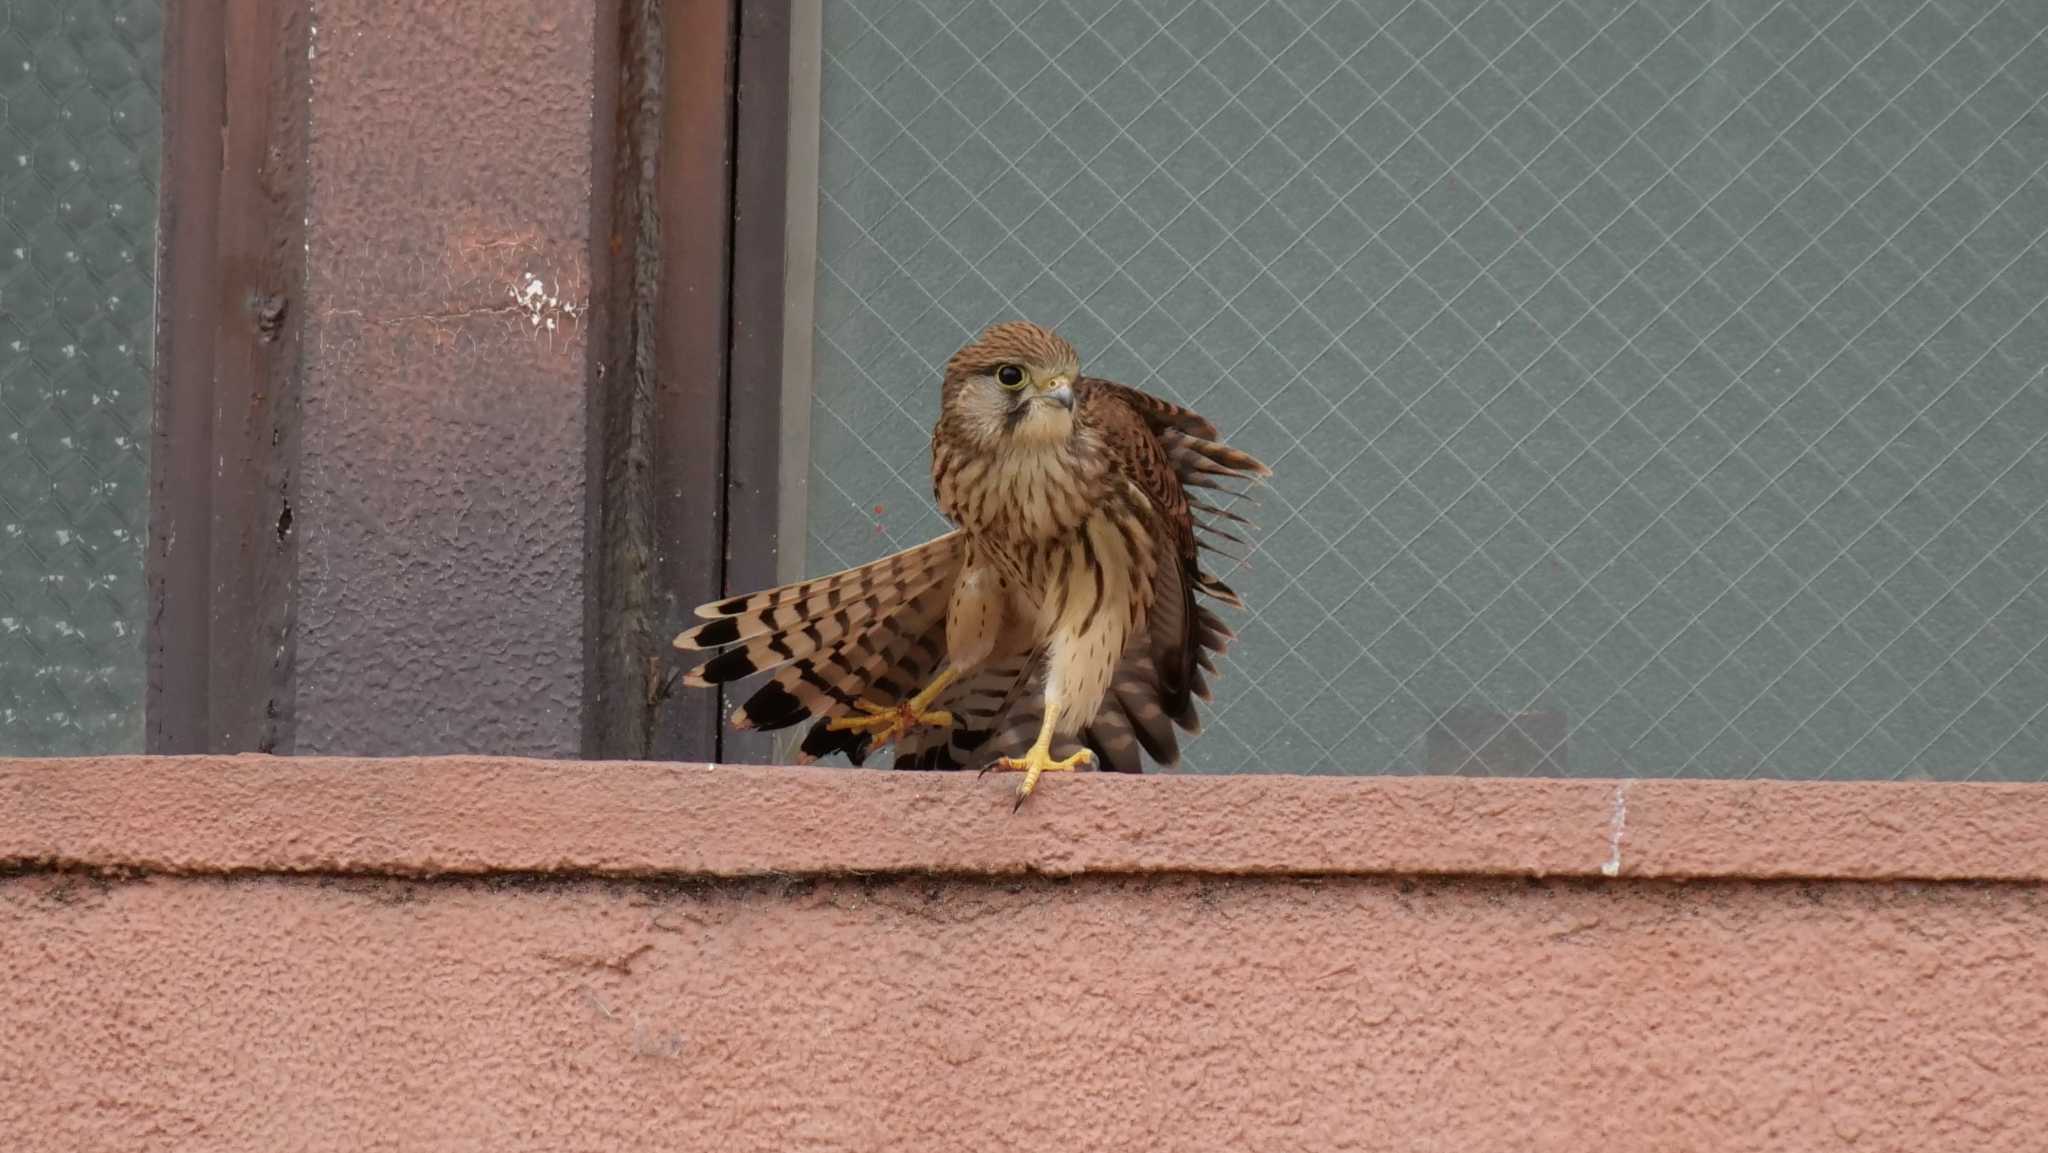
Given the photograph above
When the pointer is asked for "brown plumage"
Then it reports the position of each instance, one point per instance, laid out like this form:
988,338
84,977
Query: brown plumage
1057,625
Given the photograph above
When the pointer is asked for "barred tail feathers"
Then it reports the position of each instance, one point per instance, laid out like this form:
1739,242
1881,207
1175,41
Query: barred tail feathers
975,701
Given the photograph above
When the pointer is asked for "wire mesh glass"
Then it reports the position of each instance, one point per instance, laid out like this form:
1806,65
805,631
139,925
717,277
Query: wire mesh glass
79,144
1654,386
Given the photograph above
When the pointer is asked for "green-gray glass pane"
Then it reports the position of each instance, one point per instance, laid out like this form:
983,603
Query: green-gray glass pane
1654,388
79,143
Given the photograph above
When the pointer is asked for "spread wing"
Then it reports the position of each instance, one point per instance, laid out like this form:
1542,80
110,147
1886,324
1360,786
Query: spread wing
1171,449
831,641
1197,460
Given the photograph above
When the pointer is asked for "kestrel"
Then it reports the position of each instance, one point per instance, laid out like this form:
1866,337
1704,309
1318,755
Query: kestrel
1056,626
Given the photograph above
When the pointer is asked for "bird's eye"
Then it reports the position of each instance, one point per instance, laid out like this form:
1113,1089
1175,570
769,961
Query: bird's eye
1010,376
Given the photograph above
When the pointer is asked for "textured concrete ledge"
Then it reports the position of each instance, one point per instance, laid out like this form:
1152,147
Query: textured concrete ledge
470,816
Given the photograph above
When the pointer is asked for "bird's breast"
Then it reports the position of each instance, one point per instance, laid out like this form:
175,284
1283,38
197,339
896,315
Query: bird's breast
1023,498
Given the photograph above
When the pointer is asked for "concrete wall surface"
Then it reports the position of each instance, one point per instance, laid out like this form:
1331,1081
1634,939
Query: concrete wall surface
471,954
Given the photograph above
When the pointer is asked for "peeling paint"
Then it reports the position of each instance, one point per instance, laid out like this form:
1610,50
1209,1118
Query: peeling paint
1617,828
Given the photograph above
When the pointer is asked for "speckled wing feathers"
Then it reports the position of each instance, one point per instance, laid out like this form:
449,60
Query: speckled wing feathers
832,637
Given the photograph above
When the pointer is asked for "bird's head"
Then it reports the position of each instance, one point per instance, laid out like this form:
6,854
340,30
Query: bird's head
1014,381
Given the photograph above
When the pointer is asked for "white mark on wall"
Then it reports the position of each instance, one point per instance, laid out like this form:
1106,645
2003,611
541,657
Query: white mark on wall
545,306
1617,828
542,306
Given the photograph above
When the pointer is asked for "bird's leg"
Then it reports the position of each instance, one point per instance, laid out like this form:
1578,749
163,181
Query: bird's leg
886,723
1039,758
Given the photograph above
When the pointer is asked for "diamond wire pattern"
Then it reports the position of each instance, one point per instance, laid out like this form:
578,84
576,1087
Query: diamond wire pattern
79,114
1654,388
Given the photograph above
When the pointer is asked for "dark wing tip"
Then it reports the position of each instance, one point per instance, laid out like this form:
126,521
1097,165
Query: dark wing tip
772,707
725,667
822,742
710,635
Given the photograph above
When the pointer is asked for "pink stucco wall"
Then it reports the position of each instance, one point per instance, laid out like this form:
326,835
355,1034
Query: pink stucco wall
464,954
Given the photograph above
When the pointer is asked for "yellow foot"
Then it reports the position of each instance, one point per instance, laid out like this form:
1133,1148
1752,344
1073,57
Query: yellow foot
887,723
1035,762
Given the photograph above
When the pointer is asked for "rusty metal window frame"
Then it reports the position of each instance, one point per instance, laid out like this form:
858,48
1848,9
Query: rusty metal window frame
231,263
768,409
688,483
698,437
700,452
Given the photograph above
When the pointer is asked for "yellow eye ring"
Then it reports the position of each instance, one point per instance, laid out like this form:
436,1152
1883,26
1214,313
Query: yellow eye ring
1010,376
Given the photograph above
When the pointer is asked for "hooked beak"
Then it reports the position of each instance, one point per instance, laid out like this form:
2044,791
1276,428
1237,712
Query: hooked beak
1061,392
